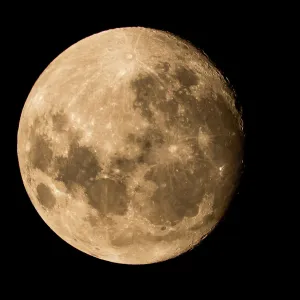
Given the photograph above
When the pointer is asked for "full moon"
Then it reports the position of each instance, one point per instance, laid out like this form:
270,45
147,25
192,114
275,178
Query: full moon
130,145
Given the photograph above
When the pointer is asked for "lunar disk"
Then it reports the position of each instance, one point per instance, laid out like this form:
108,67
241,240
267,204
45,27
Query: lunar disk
130,145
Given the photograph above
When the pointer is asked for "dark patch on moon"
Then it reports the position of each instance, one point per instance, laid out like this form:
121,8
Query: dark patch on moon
152,139
59,121
149,93
124,164
162,69
224,129
108,196
141,159
147,89
179,197
207,112
45,196
186,77
40,154
189,119
211,111
80,166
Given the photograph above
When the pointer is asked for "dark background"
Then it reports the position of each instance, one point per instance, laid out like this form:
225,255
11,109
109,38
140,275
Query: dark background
41,36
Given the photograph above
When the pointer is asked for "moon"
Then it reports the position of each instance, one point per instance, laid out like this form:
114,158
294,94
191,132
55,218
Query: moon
130,145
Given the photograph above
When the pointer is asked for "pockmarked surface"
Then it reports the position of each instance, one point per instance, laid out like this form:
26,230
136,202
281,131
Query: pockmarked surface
130,145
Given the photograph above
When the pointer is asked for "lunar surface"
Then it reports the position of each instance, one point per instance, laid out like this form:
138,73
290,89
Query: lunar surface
130,145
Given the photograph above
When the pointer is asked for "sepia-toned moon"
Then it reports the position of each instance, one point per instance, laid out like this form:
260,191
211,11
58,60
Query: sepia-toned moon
130,145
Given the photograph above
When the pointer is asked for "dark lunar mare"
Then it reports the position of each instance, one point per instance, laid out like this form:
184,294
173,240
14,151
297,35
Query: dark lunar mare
181,197
40,154
108,196
147,91
80,166
185,76
59,121
179,191
45,196
212,112
151,139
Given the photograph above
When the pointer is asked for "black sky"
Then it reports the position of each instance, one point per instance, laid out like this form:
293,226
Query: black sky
39,38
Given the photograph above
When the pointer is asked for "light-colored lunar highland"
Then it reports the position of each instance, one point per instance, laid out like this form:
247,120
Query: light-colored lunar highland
130,145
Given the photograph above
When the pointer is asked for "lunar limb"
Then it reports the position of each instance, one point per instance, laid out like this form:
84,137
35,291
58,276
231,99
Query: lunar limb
130,145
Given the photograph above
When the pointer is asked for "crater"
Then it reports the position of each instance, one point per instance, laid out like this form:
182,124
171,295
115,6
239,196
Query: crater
45,196
129,56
